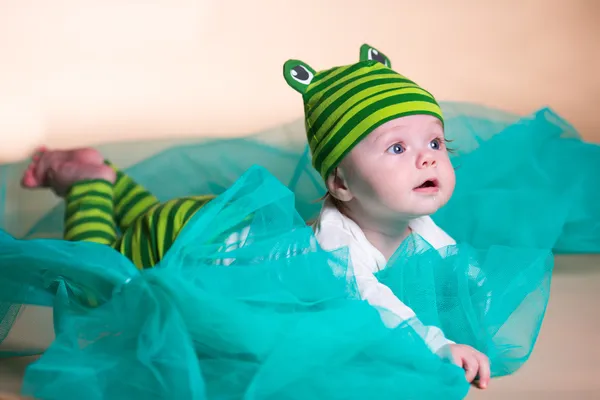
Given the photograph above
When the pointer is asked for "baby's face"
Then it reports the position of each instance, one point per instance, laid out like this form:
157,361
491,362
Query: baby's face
401,169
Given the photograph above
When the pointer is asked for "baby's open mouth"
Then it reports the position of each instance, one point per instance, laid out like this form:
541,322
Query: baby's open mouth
428,185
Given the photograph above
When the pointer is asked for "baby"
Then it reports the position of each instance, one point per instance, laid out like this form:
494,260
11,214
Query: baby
377,139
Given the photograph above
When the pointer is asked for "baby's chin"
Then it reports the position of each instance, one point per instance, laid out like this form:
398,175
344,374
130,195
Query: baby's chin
421,207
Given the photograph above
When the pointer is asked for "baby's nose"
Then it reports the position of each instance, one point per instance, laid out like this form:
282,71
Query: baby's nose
426,159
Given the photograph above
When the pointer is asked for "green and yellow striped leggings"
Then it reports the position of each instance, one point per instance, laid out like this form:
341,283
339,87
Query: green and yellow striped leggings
95,209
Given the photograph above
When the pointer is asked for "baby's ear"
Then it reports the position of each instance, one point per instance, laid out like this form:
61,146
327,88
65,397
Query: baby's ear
337,187
368,53
298,75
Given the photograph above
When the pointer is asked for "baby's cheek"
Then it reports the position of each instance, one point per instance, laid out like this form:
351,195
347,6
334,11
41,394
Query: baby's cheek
376,181
448,175
369,191
390,190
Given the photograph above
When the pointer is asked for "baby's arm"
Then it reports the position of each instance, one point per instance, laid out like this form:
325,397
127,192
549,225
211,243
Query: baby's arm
393,311
475,364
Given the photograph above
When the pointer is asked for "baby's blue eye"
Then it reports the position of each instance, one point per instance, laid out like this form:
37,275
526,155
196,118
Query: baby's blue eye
396,149
435,144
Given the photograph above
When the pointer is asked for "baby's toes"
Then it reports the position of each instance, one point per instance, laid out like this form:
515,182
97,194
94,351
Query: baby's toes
29,179
39,152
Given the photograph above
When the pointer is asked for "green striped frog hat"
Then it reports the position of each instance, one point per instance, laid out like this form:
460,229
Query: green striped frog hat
342,105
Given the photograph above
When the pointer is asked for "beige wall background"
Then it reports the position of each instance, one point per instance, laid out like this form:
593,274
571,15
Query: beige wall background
79,72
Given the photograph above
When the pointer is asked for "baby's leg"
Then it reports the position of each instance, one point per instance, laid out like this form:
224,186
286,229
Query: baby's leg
89,212
131,199
86,183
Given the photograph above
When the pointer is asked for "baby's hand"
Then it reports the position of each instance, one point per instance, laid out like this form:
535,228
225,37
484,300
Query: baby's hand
474,363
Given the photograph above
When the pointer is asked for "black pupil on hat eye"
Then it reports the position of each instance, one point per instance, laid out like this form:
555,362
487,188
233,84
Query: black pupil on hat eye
301,73
375,55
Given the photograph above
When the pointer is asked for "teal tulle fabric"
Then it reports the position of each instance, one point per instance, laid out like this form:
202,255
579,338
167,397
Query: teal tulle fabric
284,320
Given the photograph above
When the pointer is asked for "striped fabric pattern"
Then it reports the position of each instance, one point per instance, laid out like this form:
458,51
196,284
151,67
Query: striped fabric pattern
344,104
89,213
151,235
96,208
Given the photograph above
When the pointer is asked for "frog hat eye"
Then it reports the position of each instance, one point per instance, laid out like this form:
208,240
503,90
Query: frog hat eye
369,53
298,75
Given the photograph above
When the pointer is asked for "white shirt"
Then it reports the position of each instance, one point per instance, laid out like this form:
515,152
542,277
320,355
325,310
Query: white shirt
334,230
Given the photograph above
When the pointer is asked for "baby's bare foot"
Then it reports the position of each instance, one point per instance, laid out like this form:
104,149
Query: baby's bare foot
44,160
59,170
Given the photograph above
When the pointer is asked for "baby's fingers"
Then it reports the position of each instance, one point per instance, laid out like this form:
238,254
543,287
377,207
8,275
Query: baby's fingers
471,366
484,371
